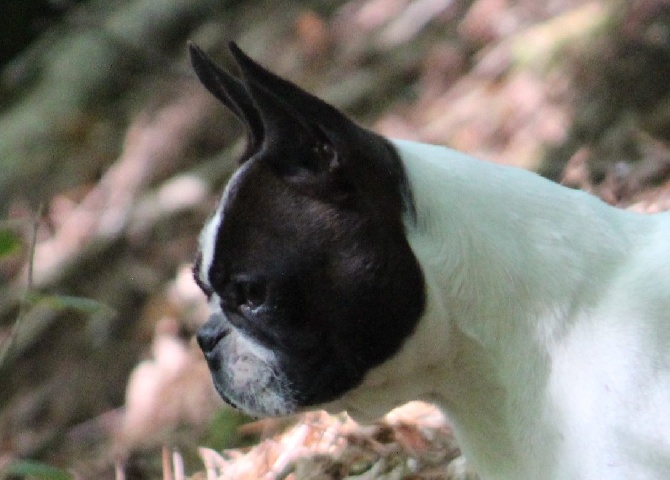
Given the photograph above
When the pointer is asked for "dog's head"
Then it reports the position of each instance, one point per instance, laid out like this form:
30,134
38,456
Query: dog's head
305,261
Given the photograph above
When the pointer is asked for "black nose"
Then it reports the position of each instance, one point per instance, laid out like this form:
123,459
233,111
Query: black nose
211,332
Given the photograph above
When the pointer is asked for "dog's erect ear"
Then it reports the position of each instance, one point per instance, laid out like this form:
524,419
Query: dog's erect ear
297,126
310,107
232,93
299,134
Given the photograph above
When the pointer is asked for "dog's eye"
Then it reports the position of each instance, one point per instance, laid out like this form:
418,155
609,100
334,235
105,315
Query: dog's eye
251,293
244,292
328,155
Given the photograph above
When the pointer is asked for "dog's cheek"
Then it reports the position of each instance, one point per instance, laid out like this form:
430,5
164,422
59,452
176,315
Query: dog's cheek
246,376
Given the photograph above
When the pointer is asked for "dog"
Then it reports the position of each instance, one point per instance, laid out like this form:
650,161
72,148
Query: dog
348,271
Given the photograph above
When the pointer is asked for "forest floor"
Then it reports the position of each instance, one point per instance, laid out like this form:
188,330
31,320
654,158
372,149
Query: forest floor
112,156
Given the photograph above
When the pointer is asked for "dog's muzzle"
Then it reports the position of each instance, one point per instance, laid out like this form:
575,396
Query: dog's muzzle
211,333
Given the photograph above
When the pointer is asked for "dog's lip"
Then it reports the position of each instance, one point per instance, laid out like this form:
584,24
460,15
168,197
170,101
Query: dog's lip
211,333
210,352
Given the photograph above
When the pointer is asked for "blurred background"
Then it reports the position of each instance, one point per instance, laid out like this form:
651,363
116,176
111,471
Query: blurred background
112,156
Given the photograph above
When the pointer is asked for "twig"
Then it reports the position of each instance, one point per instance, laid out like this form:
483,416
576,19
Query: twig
178,465
119,473
167,465
214,462
6,348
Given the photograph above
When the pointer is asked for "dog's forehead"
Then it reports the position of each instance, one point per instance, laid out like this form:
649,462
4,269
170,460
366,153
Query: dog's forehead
209,234
255,208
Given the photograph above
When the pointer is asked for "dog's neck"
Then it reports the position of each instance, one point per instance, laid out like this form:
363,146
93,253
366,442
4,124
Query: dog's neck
511,260
505,243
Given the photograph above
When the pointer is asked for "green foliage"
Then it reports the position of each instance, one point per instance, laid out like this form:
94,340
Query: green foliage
98,314
29,469
9,242
69,302
223,430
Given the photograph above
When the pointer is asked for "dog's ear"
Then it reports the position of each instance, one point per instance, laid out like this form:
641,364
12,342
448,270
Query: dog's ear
232,93
308,105
300,130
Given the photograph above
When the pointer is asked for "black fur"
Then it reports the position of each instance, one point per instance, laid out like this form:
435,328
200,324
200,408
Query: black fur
311,257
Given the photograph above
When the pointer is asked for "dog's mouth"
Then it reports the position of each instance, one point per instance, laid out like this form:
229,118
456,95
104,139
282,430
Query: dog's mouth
211,333
209,337
245,373
225,397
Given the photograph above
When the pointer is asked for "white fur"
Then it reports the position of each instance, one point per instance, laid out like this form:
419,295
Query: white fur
546,338
207,239
248,367
208,244
252,371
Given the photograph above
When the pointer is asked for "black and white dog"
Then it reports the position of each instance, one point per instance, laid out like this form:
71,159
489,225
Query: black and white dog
347,271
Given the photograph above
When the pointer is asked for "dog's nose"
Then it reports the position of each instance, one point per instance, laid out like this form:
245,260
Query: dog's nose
211,332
